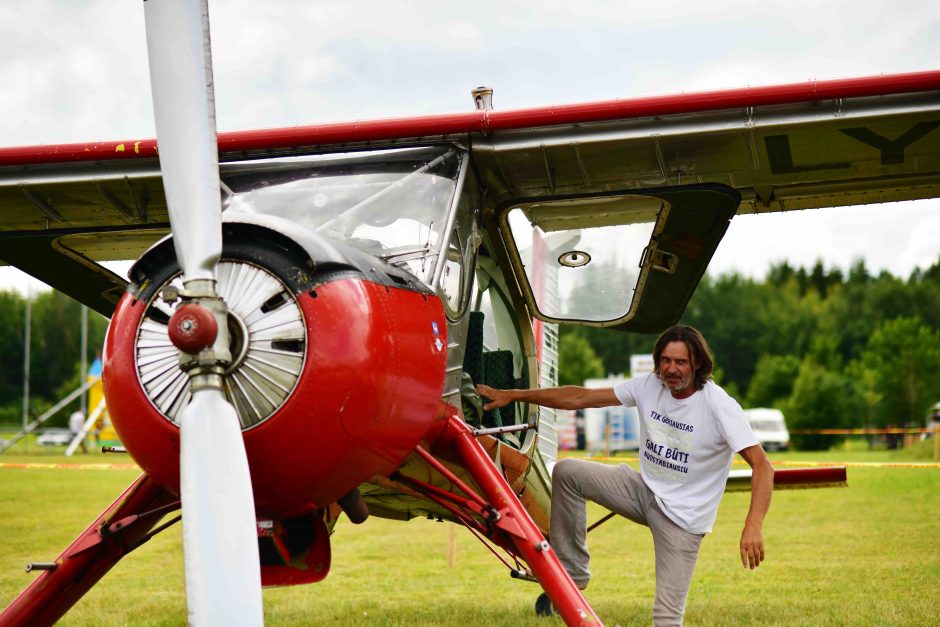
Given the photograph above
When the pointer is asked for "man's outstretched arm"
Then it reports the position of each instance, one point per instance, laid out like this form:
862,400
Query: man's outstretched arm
762,487
565,397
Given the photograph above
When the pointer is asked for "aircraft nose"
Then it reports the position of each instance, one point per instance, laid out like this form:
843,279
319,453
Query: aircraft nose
338,364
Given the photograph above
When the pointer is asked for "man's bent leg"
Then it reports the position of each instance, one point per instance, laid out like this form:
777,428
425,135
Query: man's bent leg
676,553
574,481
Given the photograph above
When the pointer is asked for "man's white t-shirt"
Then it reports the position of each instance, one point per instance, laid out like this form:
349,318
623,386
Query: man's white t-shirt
686,446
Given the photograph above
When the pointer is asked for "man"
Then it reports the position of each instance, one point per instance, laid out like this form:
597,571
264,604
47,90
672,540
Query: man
689,431
76,423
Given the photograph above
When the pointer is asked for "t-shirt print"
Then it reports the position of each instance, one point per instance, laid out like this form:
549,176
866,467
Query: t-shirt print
667,447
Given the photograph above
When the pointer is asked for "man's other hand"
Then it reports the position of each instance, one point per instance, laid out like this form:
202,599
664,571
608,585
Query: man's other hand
752,546
498,398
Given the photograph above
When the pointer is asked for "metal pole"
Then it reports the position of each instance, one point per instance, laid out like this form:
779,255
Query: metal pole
84,358
452,546
26,342
936,443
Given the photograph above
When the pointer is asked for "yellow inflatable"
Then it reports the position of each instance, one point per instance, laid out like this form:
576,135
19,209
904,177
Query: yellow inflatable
103,433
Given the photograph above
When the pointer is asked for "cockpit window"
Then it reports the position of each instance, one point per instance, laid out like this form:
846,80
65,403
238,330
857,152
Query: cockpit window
391,203
627,259
582,258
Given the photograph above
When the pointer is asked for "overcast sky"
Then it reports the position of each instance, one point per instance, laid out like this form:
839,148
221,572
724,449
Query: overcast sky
77,71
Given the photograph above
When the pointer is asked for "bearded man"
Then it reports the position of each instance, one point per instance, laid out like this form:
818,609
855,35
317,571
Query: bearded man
690,430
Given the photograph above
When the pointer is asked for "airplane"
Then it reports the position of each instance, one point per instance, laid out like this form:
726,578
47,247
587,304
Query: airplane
311,350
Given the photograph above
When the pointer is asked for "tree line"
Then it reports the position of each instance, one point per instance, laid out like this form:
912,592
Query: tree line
830,349
55,352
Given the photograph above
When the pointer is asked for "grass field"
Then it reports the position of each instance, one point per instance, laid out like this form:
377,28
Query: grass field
868,554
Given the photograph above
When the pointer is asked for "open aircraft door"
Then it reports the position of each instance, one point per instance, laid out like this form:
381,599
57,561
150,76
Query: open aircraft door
629,260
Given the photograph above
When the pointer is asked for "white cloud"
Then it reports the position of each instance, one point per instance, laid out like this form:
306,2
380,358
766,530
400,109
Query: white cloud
77,72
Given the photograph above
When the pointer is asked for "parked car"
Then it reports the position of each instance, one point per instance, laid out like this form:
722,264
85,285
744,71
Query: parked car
54,437
770,427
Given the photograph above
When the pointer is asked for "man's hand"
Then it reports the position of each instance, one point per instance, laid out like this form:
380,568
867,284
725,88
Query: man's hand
762,486
498,398
752,546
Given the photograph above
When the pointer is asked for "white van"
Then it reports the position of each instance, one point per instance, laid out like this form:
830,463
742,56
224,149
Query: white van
770,428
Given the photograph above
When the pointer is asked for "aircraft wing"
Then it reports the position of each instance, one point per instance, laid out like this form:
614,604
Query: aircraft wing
782,148
58,220
816,144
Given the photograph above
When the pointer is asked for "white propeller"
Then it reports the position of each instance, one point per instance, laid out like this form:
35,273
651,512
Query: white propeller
223,577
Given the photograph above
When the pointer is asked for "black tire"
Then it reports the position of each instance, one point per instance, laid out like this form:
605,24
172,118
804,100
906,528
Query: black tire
543,606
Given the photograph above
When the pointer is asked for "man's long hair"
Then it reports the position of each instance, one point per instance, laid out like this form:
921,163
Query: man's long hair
699,351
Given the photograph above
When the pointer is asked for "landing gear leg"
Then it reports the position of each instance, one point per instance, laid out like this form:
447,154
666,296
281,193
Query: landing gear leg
515,521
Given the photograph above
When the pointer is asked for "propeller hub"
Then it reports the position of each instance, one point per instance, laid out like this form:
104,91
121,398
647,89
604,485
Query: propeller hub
193,328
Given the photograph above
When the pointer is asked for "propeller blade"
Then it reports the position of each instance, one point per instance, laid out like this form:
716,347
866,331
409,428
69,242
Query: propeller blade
222,565
223,576
184,111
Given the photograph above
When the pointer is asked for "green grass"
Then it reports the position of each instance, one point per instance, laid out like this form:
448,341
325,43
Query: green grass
865,555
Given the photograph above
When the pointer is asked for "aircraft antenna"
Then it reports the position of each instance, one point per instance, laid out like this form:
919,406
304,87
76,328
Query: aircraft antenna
482,98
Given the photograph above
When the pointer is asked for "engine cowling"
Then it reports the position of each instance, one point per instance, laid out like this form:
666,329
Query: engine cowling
336,375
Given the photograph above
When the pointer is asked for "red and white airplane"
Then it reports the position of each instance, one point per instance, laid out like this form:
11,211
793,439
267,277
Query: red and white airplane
311,305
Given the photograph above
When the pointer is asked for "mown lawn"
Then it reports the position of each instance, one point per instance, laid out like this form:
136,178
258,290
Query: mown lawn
868,554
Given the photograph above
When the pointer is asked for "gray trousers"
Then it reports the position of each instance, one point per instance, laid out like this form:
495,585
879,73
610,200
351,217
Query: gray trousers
621,489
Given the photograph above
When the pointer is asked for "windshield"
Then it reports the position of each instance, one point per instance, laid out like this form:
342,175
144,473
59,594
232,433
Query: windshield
392,203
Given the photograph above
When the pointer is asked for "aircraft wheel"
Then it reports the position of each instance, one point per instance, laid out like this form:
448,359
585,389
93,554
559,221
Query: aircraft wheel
543,606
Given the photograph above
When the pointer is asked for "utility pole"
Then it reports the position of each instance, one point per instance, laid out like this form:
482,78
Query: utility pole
26,336
84,360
